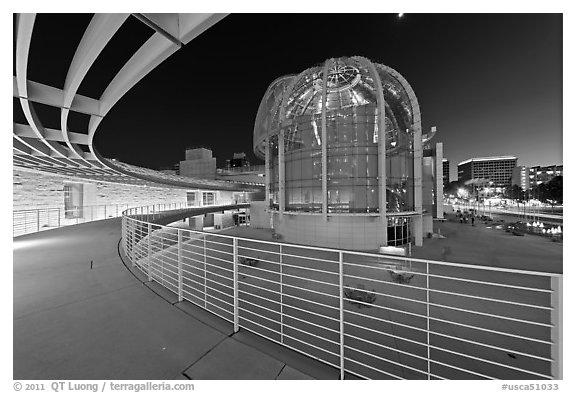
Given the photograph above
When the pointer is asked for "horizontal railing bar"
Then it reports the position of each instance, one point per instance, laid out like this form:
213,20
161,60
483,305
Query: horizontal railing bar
291,296
259,297
450,264
293,276
383,308
387,347
386,360
490,299
387,334
284,264
259,315
311,323
491,331
291,286
372,368
309,258
219,275
489,361
461,369
492,315
218,259
310,344
512,351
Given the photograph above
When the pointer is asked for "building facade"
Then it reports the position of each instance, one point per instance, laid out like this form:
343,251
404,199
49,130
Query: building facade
199,164
543,174
520,177
445,172
238,160
497,171
338,173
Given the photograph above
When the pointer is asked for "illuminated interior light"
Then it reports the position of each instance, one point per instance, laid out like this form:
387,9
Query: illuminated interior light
315,127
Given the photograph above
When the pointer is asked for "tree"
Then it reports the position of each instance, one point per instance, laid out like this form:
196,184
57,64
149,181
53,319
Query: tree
550,191
452,187
514,192
554,190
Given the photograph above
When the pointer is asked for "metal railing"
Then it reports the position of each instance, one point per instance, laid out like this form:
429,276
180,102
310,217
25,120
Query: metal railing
36,220
370,315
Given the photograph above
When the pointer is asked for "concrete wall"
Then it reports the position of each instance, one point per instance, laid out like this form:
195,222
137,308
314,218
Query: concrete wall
259,217
347,232
201,168
196,222
427,224
223,220
34,190
428,184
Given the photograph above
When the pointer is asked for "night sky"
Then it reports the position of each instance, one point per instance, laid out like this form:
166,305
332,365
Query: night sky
490,83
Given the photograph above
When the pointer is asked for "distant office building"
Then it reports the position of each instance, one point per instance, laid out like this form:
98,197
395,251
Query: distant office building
238,161
497,170
199,164
543,174
445,172
520,177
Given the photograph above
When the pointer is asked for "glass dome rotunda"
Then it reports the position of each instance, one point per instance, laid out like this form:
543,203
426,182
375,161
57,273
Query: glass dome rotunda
342,99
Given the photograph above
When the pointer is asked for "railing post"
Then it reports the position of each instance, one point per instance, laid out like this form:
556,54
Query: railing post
236,319
205,275
58,217
341,290
281,298
428,315
180,274
149,252
556,334
117,210
105,216
133,227
161,256
37,220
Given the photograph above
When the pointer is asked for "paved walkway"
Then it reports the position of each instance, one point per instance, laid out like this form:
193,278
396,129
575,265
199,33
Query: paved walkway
79,313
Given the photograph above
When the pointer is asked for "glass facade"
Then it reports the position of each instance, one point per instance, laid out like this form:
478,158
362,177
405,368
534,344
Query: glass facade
345,105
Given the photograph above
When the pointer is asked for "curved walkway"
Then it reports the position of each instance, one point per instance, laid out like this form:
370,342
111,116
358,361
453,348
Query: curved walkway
79,313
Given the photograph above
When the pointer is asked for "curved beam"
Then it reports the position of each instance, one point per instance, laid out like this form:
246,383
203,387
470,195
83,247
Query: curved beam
149,56
24,28
101,29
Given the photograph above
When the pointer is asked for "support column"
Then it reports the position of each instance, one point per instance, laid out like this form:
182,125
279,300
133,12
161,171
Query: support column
419,220
439,180
281,174
341,306
149,252
381,124
556,334
180,272
267,174
235,275
324,140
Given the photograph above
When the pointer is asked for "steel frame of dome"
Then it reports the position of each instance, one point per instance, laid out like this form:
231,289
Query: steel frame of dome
58,150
